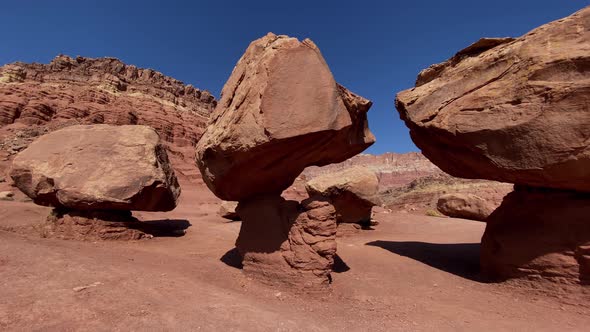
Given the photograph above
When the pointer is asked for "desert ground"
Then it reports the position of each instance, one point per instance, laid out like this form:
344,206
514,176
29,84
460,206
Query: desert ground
411,272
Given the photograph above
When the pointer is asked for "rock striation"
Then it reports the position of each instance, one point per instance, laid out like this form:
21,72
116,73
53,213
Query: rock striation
517,110
39,98
281,111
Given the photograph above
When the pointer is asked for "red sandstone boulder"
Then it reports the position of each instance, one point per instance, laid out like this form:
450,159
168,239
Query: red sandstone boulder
510,110
98,167
466,206
539,233
352,191
286,242
280,111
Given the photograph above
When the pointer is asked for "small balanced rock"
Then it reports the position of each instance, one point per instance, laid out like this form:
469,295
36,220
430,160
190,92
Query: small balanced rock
281,111
95,175
517,111
352,191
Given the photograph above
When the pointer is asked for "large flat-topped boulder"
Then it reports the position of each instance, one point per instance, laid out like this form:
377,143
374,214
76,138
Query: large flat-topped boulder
510,110
280,111
98,167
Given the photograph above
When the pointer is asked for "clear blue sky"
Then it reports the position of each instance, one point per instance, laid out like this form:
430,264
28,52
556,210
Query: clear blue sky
375,48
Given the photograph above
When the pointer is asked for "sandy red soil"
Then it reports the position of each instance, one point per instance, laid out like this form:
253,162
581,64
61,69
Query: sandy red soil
411,272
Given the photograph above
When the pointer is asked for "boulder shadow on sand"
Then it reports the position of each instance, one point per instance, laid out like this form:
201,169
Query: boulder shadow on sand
460,259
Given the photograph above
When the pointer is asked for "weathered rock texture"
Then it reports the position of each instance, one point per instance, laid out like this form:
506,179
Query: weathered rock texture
539,233
39,98
510,110
466,206
286,242
98,167
280,111
517,111
352,191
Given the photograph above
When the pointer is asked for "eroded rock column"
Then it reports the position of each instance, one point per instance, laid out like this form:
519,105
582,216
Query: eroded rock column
287,242
539,233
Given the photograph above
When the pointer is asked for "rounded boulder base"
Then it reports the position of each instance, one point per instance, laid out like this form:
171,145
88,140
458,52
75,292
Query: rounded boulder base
540,234
288,243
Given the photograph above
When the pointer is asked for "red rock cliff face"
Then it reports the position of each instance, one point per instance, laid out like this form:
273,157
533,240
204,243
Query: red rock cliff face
38,98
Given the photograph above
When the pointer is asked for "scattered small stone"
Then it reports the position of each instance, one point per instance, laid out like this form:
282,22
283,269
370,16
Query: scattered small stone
6,196
81,288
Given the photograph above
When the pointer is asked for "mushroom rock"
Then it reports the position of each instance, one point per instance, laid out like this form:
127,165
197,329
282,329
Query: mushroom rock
82,169
518,111
352,191
281,111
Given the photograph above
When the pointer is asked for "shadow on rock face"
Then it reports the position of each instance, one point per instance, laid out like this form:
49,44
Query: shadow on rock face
461,259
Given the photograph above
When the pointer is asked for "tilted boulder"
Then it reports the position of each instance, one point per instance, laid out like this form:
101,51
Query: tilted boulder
98,167
280,111
352,191
466,206
517,111
511,110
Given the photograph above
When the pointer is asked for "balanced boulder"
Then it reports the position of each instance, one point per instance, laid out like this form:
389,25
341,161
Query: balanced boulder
517,110
281,111
466,206
352,191
98,167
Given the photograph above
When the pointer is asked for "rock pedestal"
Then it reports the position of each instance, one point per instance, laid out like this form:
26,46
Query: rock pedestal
539,233
280,112
286,242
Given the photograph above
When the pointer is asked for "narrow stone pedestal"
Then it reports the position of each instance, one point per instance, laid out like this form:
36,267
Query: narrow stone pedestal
539,234
92,225
286,242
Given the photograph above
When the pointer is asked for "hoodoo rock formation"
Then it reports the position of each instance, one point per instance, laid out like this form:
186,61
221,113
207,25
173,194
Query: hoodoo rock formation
81,169
281,111
517,110
352,191
39,98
